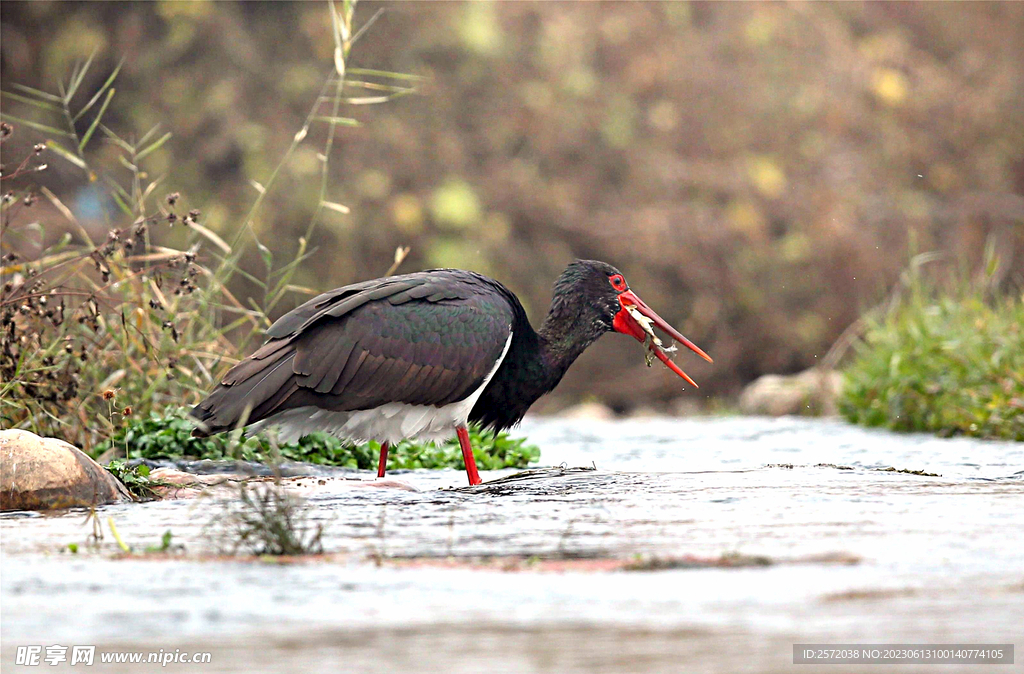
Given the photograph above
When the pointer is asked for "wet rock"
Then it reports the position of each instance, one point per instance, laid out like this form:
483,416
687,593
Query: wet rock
591,410
170,483
685,407
811,392
49,474
247,469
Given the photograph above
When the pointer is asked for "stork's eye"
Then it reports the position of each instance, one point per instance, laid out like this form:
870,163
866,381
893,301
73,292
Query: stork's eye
617,282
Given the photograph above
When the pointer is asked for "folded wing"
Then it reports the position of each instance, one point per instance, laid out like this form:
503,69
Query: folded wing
428,338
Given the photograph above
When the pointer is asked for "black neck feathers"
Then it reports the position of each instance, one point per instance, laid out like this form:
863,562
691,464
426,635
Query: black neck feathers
537,360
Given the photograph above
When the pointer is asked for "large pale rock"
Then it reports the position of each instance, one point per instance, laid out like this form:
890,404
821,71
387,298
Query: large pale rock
589,411
811,392
48,474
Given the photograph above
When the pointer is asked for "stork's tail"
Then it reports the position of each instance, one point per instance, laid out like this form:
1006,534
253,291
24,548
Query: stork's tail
249,392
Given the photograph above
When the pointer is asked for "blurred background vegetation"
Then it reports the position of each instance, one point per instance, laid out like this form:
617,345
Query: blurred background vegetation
756,170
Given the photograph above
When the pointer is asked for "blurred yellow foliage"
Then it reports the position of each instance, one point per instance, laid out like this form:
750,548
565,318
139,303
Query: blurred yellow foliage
760,28
579,82
373,184
457,253
889,86
744,216
767,176
173,9
72,43
478,27
795,247
618,128
455,205
407,212
305,163
663,115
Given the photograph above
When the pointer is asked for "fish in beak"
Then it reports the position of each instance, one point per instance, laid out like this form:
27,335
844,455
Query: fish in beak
636,318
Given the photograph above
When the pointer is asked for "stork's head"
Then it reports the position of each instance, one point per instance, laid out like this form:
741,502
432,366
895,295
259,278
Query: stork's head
599,295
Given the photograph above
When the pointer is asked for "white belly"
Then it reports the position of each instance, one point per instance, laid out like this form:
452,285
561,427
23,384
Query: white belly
391,422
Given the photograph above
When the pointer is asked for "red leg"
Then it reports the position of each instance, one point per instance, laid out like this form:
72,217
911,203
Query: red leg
383,463
467,455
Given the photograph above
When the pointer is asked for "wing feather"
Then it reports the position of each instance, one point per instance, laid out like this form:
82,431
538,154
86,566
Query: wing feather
428,338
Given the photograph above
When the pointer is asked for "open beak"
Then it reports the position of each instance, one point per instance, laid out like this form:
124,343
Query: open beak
626,323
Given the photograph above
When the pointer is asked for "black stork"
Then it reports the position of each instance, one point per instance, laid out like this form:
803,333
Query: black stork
420,355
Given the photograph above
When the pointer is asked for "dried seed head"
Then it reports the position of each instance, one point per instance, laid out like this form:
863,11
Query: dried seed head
38,148
109,394
6,130
172,218
29,199
8,198
126,412
194,214
172,198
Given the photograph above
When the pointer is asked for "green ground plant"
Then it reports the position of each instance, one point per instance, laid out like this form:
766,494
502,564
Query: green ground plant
947,358
267,520
136,479
168,436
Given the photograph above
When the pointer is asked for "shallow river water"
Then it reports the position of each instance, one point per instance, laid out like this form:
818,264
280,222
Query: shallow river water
845,552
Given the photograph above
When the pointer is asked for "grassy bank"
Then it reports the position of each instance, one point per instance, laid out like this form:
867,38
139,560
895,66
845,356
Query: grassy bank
948,358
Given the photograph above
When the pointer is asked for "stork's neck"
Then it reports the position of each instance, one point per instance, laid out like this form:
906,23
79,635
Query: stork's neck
537,360
569,328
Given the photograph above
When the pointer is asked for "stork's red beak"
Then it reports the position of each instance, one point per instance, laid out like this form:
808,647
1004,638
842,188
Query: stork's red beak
627,325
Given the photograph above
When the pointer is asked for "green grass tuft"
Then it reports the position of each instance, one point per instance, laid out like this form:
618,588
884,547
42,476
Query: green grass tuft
950,363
